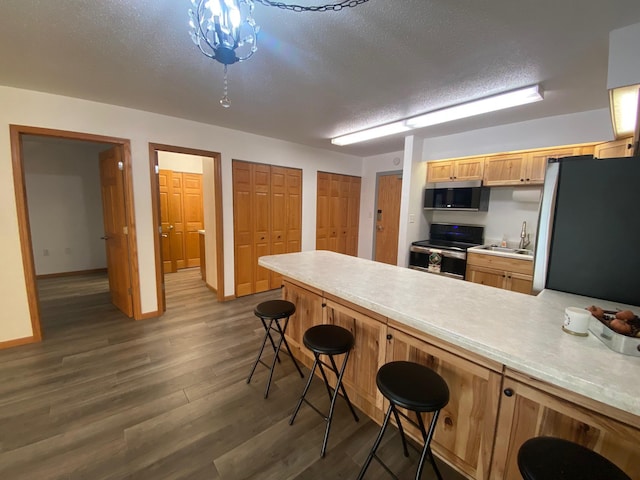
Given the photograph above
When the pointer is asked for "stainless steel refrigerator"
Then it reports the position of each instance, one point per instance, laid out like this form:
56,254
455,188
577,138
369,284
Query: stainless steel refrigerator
589,230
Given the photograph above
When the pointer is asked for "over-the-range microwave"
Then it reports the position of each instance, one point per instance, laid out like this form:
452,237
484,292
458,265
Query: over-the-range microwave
467,196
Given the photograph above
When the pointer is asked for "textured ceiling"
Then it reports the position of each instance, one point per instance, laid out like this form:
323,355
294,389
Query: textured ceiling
318,75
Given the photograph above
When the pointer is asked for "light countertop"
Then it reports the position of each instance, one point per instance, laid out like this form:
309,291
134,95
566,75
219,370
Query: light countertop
522,332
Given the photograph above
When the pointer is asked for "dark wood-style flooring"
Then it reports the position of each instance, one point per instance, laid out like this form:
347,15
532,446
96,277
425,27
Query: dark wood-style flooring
105,397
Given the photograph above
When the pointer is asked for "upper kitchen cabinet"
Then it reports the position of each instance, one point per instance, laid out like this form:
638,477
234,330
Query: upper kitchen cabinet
455,170
614,149
538,161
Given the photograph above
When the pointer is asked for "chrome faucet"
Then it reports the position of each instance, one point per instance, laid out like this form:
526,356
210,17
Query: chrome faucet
524,237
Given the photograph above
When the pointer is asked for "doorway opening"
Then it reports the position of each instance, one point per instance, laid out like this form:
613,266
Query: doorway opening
67,245
174,240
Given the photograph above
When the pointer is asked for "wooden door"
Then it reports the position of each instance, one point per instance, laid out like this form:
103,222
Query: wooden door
278,218
261,223
365,359
116,229
465,428
164,182
388,218
527,412
176,217
243,228
323,211
193,217
293,184
353,214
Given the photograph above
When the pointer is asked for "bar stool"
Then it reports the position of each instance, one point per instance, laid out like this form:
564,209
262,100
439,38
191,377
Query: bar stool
273,311
419,389
555,458
327,340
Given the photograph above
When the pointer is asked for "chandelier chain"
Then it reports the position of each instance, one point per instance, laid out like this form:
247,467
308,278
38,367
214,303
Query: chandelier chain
333,7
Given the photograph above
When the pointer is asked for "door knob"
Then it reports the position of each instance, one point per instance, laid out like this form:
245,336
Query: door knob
171,227
165,235
379,228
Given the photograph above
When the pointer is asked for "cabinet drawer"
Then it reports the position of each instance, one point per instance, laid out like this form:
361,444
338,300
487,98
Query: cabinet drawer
500,263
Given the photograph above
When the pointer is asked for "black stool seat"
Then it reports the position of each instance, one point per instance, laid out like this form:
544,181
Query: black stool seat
328,339
275,309
270,314
544,458
418,389
412,386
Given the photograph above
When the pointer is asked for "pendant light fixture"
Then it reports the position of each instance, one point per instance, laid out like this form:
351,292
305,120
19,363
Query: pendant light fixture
224,30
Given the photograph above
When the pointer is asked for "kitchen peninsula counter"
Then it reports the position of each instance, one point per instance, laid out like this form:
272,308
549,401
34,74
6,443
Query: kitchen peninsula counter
520,333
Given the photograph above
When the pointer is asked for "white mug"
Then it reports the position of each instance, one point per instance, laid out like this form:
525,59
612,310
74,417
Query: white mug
576,321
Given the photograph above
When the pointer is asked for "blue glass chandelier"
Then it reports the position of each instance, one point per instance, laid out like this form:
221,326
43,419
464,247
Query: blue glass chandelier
224,30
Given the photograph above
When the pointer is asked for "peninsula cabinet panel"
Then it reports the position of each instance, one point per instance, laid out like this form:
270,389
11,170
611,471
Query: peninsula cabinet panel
267,214
365,359
338,213
528,410
465,429
308,313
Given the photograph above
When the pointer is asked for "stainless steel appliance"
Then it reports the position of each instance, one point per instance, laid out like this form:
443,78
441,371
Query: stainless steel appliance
588,228
466,196
445,252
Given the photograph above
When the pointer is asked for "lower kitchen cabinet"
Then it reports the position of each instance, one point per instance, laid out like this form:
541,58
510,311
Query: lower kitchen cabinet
365,359
466,426
501,272
530,408
308,313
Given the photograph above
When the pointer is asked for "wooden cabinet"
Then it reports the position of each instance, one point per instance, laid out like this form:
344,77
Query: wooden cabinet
366,357
501,272
530,408
309,312
464,169
616,148
525,168
465,428
338,213
267,212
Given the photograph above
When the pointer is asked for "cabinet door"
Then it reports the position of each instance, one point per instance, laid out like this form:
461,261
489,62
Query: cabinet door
527,412
486,276
537,167
469,169
465,428
505,169
617,148
308,313
440,171
365,358
518,282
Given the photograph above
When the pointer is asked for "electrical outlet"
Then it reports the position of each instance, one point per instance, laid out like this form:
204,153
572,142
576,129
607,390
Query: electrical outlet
412,218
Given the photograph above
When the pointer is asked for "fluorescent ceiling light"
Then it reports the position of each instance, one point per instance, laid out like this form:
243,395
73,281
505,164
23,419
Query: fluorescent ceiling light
476,107
375,132
624,109
489,104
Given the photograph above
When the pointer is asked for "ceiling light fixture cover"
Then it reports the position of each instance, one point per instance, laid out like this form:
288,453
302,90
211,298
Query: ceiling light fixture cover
225,30
624,109
501,101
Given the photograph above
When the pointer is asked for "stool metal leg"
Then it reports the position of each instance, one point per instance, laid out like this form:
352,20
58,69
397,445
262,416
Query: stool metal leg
376,444
306,389
344,392
264,342
333,401
286,344
427,445
404,440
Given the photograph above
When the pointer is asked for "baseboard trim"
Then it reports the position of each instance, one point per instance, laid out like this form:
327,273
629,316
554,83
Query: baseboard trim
71,274
148,315
212,288
18,341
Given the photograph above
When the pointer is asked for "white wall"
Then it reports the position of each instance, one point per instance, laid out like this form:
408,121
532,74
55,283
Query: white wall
65,206
24,107
209,206
180,162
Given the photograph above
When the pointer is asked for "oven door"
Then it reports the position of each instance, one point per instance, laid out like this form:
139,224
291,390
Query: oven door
441,261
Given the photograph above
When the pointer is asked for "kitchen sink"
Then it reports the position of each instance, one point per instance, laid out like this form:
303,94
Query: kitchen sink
497,249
